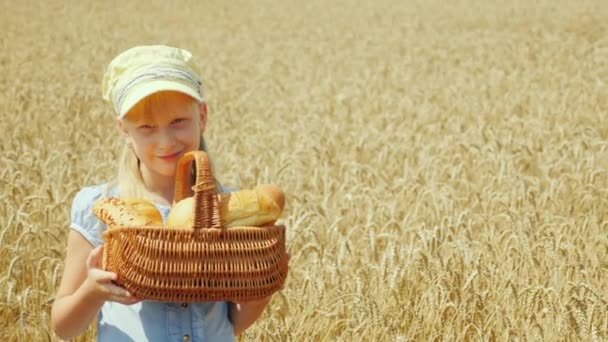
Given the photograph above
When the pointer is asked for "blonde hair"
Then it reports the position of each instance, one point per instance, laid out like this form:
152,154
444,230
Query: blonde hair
130,181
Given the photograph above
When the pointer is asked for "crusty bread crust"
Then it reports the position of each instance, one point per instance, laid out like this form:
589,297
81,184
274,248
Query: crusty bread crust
115,212
250,207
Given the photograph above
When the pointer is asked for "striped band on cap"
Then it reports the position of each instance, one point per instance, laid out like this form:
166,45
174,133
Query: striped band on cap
157,73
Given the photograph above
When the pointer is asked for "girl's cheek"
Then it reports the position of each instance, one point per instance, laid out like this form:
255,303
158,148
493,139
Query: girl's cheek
145,140
148,136
185,133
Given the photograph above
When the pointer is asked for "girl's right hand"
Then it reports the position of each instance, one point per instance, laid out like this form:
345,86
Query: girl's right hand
101,281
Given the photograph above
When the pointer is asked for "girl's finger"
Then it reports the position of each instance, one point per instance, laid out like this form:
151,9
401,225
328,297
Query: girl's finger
101,276
94,259
118,291
131,301
118,294
128,301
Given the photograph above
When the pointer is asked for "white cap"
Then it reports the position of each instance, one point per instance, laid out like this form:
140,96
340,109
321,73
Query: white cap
144,70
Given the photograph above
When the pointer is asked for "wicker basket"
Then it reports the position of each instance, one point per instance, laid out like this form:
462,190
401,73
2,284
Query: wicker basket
206,262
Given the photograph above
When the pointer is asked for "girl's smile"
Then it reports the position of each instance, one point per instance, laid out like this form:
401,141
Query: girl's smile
171,157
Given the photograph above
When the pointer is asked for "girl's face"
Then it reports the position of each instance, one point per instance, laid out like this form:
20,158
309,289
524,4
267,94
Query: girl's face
161,129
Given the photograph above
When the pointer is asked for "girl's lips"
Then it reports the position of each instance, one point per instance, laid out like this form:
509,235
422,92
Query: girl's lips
170,156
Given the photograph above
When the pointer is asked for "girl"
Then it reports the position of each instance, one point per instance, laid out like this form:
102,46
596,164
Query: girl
156,93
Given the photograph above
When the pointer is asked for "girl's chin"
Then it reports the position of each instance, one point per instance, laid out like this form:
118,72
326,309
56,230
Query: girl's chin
168,171
163,169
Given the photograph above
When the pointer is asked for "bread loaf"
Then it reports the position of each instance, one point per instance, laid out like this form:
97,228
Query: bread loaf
116,212
260,206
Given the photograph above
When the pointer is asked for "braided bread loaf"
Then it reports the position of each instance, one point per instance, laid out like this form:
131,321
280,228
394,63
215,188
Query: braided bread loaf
116,212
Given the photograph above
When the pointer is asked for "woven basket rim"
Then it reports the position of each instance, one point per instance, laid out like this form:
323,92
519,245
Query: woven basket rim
190,229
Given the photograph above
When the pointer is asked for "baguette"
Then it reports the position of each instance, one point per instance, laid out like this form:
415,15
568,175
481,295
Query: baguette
115,212
257,207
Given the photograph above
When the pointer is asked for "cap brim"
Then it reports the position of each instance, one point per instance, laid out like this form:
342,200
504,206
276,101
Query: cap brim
148,88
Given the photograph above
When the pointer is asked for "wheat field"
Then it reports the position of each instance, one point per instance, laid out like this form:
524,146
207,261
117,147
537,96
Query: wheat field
445,163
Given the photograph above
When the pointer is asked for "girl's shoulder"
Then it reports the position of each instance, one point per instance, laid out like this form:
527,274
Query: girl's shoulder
91,193
82,218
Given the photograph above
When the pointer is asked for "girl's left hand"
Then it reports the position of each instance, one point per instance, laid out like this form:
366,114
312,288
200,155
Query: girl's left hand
102,282
262,301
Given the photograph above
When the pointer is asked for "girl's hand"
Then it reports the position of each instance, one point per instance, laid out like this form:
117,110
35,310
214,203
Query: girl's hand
263,301
102,282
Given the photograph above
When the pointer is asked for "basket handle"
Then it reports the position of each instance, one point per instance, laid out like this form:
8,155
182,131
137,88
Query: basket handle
206,207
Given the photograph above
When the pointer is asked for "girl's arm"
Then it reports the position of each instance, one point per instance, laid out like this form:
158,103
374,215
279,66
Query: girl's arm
83,289
243,315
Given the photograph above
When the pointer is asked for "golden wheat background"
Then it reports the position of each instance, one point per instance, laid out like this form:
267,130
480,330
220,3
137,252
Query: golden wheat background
446,163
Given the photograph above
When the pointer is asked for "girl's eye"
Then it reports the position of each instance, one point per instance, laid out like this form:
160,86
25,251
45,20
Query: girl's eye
178,121
145,127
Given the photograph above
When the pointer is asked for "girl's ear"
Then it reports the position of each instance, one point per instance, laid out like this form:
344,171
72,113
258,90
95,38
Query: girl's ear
122,128
203,116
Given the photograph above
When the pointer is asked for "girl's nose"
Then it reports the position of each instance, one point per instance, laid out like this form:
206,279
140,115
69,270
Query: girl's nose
166,140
